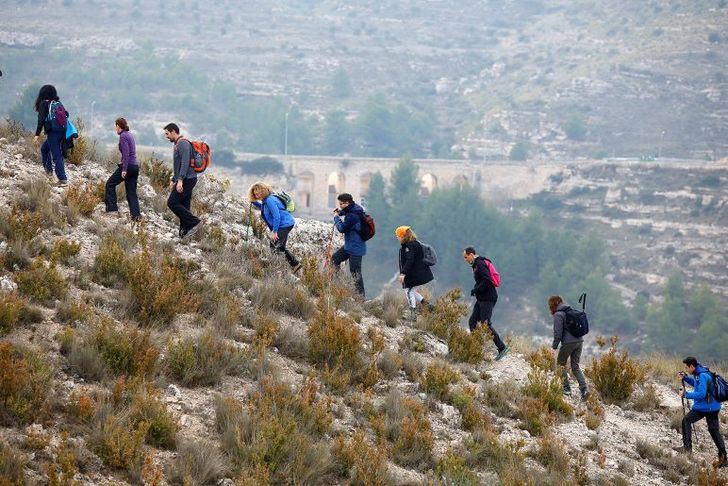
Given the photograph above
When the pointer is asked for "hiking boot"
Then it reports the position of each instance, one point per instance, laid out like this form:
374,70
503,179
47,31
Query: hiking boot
136,219
502,353
584,395
62,183
191,232
720,462
567,392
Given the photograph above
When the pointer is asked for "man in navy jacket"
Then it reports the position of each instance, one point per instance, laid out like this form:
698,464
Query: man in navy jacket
354,246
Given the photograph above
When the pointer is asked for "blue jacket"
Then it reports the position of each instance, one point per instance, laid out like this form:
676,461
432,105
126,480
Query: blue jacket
274,213
351,226
701,385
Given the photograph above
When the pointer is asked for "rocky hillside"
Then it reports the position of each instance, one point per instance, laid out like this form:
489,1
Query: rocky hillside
128,356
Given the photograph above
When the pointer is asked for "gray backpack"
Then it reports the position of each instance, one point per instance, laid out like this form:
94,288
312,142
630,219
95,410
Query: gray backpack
429,257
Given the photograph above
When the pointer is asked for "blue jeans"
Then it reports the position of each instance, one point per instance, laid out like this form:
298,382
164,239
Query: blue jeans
340,256
51,148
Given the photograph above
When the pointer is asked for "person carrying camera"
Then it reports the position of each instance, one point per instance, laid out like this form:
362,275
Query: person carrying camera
354,247
704,406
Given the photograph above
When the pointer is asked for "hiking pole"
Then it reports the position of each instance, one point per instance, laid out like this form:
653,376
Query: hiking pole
692,425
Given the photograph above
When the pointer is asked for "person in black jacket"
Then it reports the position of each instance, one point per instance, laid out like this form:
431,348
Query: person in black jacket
51,148
413,271
485,298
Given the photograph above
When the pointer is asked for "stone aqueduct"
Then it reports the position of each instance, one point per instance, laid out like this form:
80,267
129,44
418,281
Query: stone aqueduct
316,180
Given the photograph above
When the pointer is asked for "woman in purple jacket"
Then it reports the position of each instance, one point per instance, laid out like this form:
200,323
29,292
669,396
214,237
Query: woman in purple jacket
127,172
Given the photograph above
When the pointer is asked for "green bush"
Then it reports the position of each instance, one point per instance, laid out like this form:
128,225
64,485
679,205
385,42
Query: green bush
42,282
614,373
25,385
201,361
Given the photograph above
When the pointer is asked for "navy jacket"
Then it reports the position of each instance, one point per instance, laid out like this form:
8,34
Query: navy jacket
412,266
484,288
351,226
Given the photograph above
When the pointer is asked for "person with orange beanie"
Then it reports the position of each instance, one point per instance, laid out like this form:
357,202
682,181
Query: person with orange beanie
413,269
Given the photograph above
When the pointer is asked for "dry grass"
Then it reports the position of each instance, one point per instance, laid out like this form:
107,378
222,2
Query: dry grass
412,366
201,361
594,412
198,462
389,363
393,306
25,385
364,463
280,295
487,451
406,426
12,464
647,400
15,311
41,282
292,341
279,432
614,373
74,311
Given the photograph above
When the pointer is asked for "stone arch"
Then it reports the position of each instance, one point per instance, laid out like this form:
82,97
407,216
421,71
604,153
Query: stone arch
364,181
460,181
305,190
335,184
428,183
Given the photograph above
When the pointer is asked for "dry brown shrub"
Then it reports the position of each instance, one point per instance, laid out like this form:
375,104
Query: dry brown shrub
365,464
81,198
614,373
25,384
437,379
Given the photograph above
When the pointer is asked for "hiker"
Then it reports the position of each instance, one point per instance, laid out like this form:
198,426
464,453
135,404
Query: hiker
413,272
182,182
279,221
571,347
354,246
705,406
52,121
127,172
485,298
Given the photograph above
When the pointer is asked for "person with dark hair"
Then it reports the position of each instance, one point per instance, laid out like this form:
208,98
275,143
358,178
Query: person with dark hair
182,182
413,272
127,172
570,347
485,298
704,406
354,247
51,150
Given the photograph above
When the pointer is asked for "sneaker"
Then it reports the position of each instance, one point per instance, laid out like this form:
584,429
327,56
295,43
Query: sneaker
567,392
584,395
62,183
190,232
136,219
502,354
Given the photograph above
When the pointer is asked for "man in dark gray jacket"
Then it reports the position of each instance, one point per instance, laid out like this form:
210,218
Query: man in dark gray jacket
570,346
183,181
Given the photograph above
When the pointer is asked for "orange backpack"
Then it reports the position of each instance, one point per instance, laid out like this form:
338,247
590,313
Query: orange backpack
201,156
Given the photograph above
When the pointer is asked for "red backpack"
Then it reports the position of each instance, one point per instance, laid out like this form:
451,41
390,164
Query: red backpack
368,228
201,155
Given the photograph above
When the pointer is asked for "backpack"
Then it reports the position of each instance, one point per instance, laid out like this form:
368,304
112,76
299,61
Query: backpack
576,321
494,275
368,228
718,388
57,116
429,257
201,155
288,203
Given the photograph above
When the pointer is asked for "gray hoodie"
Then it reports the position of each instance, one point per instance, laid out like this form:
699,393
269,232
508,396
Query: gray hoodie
181,161
561,334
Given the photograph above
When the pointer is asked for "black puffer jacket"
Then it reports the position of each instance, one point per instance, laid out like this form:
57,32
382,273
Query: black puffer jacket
484,288
411,265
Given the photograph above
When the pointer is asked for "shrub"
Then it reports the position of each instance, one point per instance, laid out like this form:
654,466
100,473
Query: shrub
542,358
146,406
362,462
486,450
12,464
594,412
227,315
81,198
64,251
407,427
280,431
41,282
281,296
389,362
159,290
266,330
647,400
437,380
473,417
83,147
20,225
74,311
198,462
14,311
614,373
293,342
499,397
446,315
201,361
25,384
552,454
451,469
107,349
118,443
550,392
111,263
158,171
334,341
535,415
468,347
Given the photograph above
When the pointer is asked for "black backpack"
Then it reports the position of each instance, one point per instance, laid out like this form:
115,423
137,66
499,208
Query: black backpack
576,321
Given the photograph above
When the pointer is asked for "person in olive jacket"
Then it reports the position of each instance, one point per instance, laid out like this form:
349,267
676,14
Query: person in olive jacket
413,272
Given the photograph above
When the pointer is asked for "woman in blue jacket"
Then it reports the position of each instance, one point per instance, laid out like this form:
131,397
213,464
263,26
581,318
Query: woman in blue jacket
279,221
704,406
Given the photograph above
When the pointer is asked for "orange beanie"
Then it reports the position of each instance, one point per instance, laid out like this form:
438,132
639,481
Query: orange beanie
401,231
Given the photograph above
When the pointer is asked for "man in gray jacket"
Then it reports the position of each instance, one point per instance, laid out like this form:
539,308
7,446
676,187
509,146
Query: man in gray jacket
183,181
570,346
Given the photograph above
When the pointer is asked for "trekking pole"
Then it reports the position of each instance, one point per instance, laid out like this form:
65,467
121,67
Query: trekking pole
692,426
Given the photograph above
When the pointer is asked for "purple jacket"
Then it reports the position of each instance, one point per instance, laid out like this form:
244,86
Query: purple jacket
127,147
